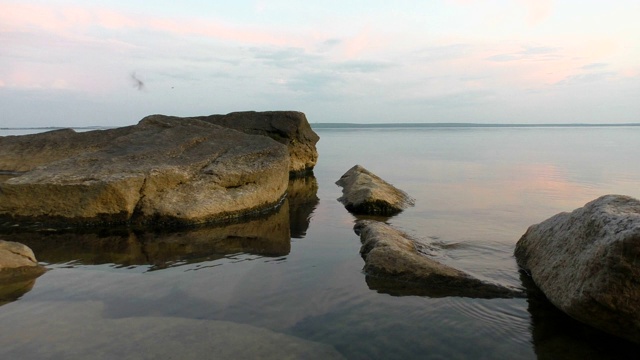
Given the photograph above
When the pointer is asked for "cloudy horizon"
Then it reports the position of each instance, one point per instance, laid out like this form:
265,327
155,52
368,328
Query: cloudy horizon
67,63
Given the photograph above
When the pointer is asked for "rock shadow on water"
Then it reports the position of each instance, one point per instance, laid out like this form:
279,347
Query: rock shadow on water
558,336
268,236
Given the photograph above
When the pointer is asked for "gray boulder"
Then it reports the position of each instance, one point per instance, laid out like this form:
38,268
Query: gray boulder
587,263
161,171
365,193
287,127
17,262
394,264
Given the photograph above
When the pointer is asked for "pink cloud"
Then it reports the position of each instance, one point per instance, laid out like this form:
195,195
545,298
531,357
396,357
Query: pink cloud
74,20
538,10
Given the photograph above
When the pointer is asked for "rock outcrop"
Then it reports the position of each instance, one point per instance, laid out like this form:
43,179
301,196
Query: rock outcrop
587,263
396,266
161,171
287,127
365,193
17,262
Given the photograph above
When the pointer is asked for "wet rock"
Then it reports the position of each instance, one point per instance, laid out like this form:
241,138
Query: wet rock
395,266
161,171
587,263
287,127
365,193
17,262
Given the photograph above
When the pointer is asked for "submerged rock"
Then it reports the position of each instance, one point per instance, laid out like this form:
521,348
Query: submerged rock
287,127
587,263
161,171
84,329
17,262
365,193
396,266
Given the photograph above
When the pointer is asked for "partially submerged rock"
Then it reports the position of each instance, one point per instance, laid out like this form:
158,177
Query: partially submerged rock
393,257
287,127
161,171
17,262
365,193
587,263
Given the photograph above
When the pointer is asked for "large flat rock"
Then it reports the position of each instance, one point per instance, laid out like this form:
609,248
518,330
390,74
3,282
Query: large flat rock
287,127
587,263
161,171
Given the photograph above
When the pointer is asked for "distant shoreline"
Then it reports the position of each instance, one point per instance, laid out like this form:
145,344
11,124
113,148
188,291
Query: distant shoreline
456,125
368,126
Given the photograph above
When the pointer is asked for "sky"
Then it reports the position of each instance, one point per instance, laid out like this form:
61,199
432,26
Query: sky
112,62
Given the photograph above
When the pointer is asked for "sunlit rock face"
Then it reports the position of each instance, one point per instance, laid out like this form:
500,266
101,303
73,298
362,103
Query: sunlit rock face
287,127
587,263
365,193
394,265
163,171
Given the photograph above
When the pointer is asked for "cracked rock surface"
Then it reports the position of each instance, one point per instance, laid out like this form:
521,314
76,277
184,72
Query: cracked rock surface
163,170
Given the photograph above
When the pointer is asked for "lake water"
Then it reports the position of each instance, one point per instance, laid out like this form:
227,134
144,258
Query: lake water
292,285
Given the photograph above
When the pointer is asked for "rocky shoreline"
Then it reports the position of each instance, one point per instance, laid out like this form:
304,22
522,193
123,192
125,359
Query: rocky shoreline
246,170
164,171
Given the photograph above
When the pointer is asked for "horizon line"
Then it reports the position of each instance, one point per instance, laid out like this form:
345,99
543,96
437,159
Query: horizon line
462,124
328,125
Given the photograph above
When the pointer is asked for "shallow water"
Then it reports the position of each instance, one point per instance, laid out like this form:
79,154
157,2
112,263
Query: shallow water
292,284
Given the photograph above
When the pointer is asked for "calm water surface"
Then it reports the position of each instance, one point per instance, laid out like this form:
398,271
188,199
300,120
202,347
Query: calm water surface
292,285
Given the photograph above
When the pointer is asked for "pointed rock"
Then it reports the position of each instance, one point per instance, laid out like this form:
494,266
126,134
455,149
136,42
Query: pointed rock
365,193
392,256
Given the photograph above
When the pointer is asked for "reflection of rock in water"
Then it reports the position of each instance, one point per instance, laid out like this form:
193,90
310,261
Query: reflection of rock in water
303,199
473,289
12,291
558,336
269,236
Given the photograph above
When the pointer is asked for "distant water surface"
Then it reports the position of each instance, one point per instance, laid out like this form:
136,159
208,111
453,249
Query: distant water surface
295,280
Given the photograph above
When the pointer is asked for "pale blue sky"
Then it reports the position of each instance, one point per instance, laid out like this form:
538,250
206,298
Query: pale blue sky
75,63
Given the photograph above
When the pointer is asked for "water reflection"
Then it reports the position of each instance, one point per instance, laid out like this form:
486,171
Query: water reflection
14,290
558,336
303,199
470,288
269,236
